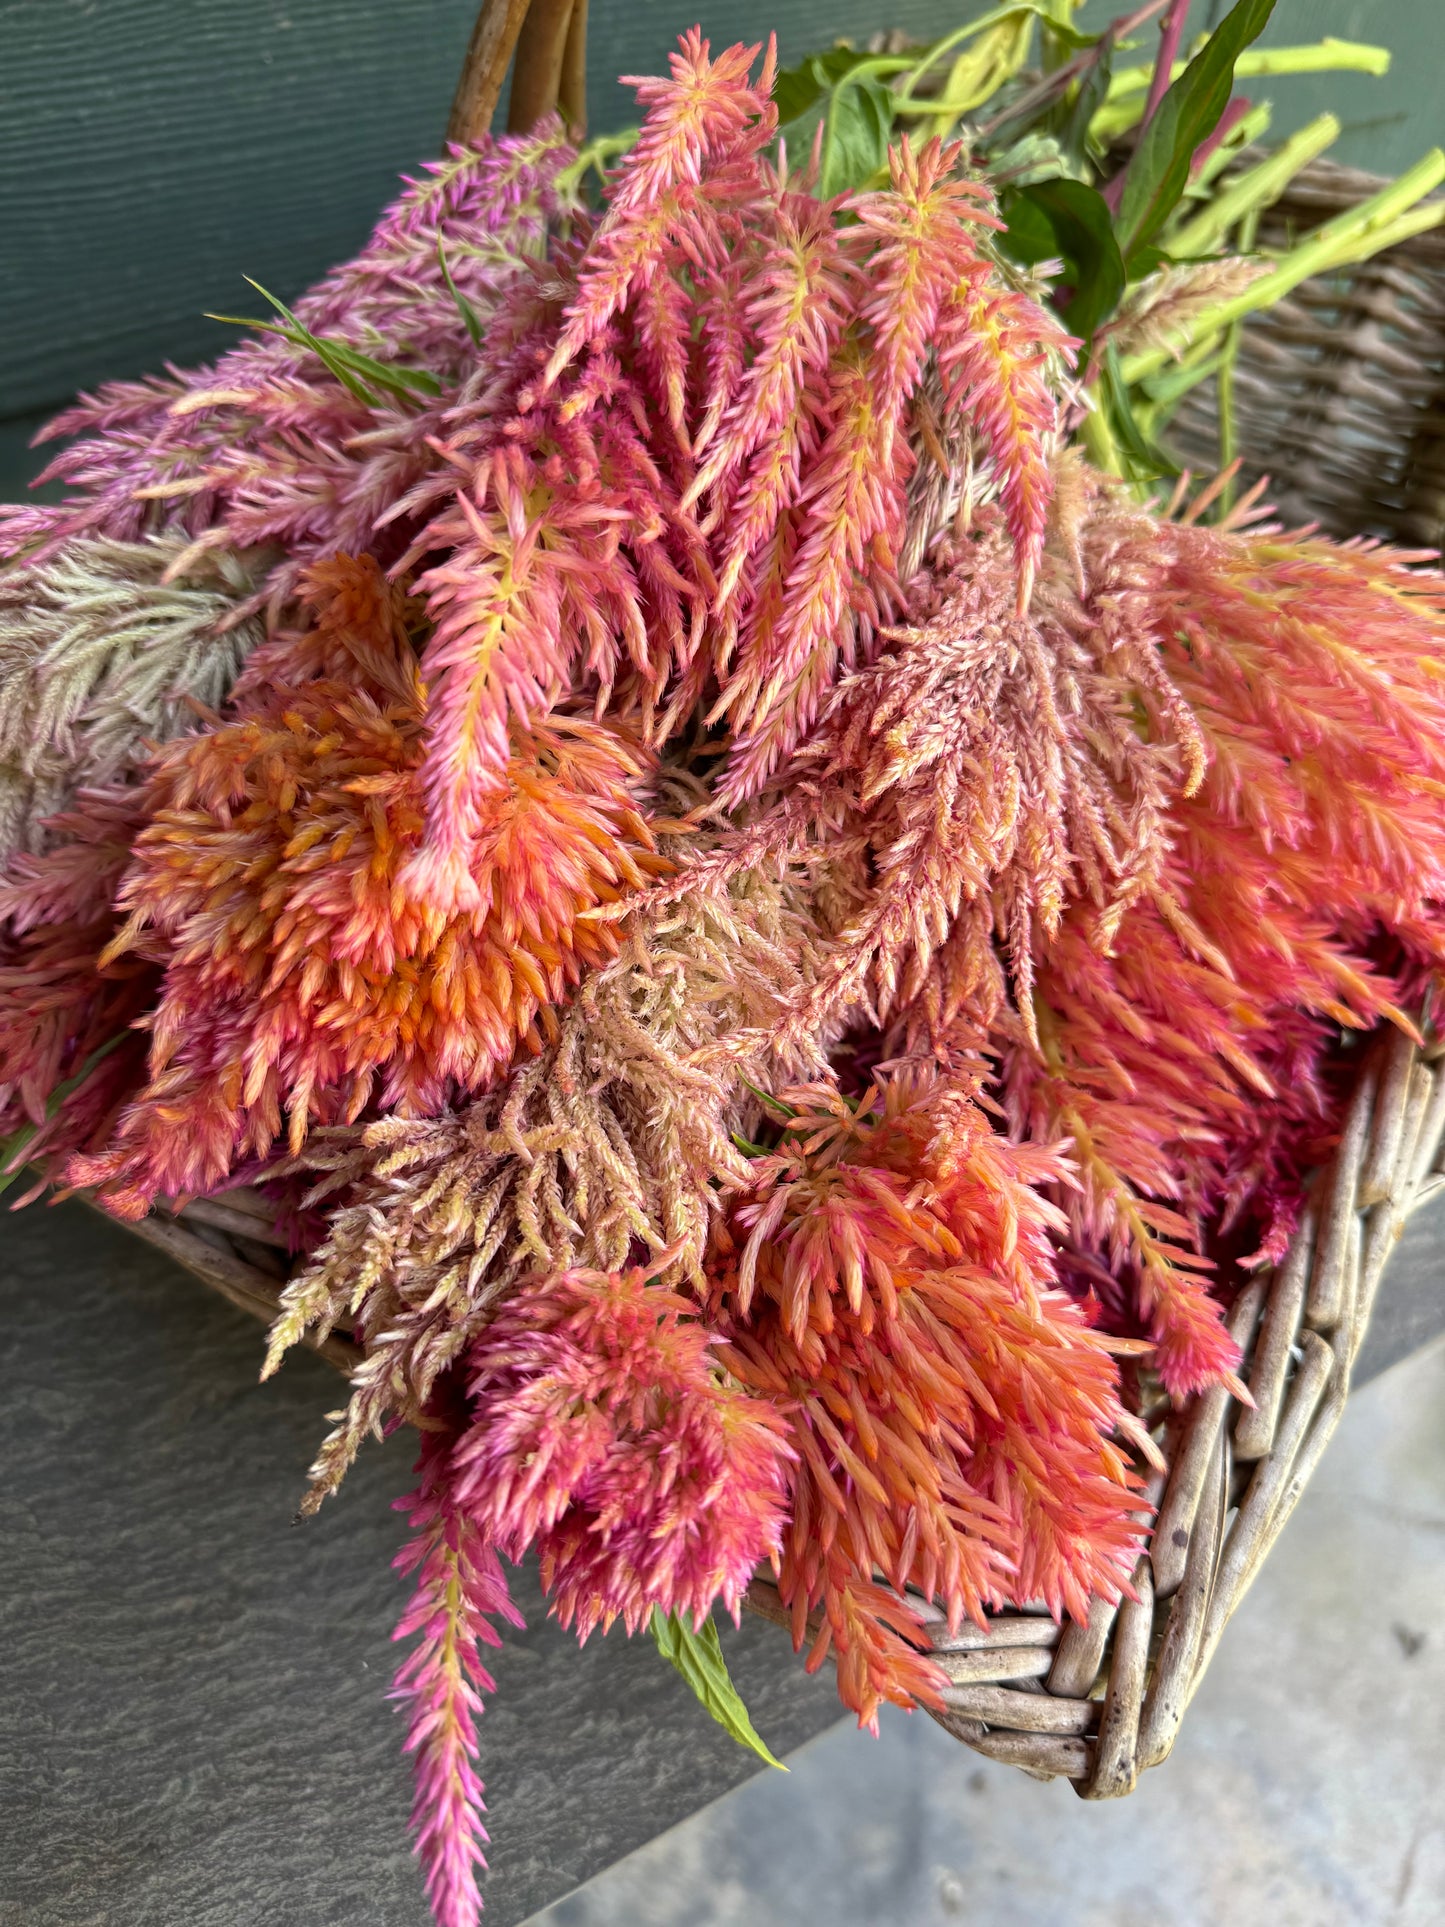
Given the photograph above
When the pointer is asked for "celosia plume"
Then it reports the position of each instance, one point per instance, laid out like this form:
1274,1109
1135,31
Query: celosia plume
886,1276
102,656
603,1435
614,1138
460,1589
675,527
301,982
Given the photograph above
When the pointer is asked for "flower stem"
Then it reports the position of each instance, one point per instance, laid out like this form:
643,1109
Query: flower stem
1391,216
537,71
1228,438
484,68
1254,189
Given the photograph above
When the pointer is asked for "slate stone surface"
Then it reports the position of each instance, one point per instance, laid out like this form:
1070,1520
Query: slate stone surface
193,1728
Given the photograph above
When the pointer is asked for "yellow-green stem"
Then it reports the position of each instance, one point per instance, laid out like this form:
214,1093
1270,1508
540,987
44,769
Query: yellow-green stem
1255,189
1387,218
1228,439
1099,443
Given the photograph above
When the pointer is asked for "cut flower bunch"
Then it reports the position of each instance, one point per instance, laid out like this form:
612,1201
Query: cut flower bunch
776,939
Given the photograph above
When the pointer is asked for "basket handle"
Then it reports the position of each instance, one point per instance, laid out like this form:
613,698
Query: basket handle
549,39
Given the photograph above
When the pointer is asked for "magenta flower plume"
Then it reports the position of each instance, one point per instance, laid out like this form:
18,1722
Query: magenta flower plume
707,112
604,1435
460,1590
691,481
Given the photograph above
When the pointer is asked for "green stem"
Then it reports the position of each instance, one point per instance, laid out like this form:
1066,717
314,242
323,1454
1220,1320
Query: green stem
1128,90
1253,127
1228,438
918,69
1255,189
1327,56
1098,440
1387,218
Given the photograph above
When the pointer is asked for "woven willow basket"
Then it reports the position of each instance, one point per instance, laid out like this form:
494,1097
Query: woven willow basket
1341,400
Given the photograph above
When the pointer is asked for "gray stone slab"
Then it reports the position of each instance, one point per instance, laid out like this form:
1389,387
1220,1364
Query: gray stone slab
1411,1307
194,1726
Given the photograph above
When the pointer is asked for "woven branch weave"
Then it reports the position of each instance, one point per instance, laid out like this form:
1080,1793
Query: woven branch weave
1340,387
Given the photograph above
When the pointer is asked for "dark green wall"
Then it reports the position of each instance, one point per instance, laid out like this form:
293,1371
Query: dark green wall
154,151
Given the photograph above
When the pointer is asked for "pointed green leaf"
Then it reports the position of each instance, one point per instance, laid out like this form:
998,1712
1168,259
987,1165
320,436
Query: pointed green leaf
1082,234
699,1658
302,337
774,1103
359,374
855,137
1144,459
1070,121
796,90
394,376
1187,115
464,307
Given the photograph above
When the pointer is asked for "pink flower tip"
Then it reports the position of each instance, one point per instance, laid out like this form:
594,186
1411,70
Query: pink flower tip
438,878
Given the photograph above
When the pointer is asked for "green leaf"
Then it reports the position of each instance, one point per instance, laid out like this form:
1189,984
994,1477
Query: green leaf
801,94
350,367
1070,121
1187,115
776,1103
464,307
747,1147
1081,232
699,1658
796,90
394,376
1145,260
300,336
1144,460
1029,236
1066,36
855,137
1033,157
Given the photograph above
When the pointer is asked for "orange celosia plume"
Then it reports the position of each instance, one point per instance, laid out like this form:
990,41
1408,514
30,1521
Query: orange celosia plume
299,977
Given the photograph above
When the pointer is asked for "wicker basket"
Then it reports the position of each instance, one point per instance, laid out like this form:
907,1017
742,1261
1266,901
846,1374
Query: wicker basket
1339,391
1341,399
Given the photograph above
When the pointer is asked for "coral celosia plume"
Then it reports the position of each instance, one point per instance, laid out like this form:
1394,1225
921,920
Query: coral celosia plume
887,1277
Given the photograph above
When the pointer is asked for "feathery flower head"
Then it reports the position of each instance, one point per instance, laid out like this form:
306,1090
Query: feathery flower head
298,975
886,1276
460,1590
603,1434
